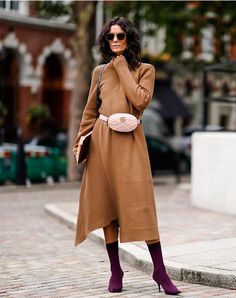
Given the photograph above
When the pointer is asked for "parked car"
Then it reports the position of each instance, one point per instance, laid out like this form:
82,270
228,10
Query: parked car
189,130
183,143
163,157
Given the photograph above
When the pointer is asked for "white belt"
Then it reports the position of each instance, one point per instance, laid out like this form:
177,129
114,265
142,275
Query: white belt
105,118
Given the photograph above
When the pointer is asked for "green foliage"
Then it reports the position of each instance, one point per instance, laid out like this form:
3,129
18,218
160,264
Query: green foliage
52,9
37,112
180,18
169,14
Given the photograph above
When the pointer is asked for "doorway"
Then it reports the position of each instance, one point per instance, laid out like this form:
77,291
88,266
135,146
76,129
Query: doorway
52,91
9,84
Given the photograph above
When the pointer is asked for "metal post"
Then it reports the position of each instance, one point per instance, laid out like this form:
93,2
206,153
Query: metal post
205,103
20,160
2,95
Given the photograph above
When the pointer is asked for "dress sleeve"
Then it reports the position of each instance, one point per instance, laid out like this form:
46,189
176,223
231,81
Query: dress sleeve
139,95
89,115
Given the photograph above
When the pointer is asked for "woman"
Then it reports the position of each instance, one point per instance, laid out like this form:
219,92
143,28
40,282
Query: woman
117,190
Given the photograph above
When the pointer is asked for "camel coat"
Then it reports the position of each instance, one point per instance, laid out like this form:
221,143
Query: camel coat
117,181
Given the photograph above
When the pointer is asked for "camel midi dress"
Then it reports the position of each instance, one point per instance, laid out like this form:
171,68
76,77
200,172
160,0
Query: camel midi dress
117,181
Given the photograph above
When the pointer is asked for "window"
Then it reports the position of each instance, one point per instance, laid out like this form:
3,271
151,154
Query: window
14,5
207,44
9,5
3,4
224,119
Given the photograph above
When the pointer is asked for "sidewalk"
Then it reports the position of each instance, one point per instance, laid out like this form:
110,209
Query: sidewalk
199,246
38,258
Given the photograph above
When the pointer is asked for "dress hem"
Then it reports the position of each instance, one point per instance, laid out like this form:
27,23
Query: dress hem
152,235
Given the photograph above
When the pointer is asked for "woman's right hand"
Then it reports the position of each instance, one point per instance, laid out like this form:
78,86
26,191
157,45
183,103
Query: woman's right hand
119,61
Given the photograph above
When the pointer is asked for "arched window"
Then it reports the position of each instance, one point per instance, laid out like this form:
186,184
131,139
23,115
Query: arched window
53,88
9,77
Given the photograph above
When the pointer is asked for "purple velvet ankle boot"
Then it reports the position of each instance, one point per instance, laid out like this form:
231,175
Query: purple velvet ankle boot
115,283
160,275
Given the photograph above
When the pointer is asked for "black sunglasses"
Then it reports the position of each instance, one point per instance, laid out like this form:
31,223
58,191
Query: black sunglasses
120,36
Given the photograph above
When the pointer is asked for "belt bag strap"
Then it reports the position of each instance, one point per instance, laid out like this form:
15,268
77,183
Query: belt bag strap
122,122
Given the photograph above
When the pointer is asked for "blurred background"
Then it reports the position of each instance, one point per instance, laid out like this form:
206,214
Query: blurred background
47,55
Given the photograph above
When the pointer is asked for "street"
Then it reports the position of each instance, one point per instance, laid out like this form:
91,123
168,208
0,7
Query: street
38,257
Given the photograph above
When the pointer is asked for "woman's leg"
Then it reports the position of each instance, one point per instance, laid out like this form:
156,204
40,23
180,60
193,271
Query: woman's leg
160,275
111,238
111,232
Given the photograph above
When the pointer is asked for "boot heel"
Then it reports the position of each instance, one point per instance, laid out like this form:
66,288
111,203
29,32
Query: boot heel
159,287
160,275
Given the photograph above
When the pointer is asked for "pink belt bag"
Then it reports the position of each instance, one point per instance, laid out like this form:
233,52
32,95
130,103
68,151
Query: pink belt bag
122,122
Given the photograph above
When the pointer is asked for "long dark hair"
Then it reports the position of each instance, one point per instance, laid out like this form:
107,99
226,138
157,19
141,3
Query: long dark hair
132,52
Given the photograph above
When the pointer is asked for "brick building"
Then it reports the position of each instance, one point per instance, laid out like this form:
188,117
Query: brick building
36,65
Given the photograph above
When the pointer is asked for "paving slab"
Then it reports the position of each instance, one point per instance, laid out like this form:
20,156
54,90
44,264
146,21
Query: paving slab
199,246
38,258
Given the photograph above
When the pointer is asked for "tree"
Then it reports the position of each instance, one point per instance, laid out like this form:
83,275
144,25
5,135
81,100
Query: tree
82,13
182,18
83,42
51,9
168,14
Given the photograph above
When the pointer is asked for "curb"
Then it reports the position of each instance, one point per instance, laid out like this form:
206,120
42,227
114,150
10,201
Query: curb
140,259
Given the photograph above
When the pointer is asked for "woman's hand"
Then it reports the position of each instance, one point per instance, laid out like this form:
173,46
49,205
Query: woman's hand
118,61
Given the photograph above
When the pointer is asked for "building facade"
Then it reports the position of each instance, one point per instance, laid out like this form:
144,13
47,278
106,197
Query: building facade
36,65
